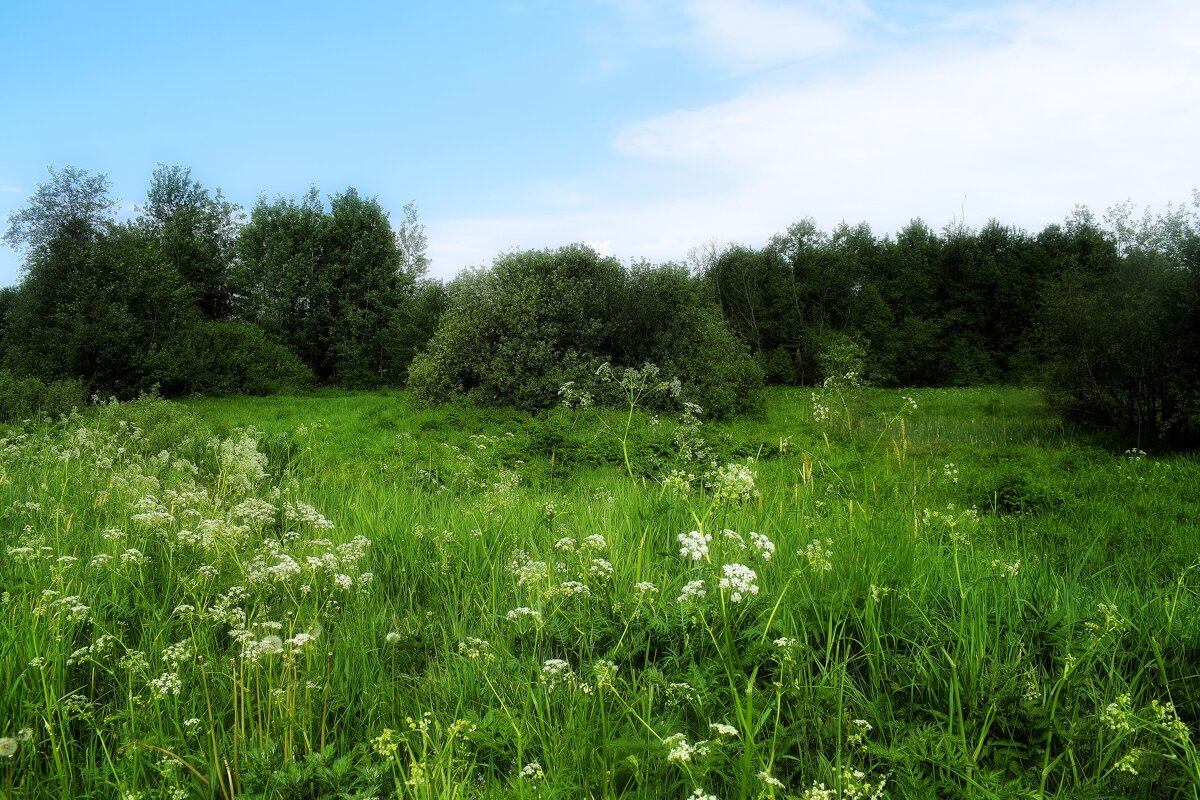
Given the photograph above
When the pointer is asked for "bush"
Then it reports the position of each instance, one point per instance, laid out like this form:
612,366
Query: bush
1123,350
225,358
513,335
22,398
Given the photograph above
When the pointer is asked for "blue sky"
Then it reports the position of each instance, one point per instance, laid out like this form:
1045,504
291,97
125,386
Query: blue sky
643,127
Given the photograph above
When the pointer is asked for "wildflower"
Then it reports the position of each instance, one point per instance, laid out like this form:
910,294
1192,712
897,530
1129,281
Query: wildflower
732,484
784,642
600,568
645,587
524,613
1168,719
392,637
682,751
721,729
476,649
566,544
605,672
1010,570
740,580
386,743
766,777
692,590
1128,762
819,554
700,794
8,747
859,733
764,546
594,542
556,672
694,545
1117,714
568,589
526,569
165,684
271,645
532,772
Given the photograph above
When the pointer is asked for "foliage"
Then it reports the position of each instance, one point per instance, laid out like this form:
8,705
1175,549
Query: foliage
197,234
831,614
1122,346
98,307
229,358
23,398
72,198
333,286
540,319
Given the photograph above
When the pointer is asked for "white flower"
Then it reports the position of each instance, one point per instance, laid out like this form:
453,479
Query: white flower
524,613
764,546
721,729
532,771
682,751
165,684
594,542
769,780
600,568
694,545
740,580
555,672
692,590
301,639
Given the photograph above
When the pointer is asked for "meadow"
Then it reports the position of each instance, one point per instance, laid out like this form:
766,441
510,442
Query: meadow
855,593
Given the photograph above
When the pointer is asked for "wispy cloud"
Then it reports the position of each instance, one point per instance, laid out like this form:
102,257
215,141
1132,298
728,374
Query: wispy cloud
10,188
743,34
1025,111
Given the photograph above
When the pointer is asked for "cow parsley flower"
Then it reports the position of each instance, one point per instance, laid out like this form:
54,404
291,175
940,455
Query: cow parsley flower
740,580
692,590
694,545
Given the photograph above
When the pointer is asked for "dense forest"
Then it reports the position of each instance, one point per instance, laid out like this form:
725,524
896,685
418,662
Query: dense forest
196,296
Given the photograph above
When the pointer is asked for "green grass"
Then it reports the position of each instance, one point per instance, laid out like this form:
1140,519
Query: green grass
964,599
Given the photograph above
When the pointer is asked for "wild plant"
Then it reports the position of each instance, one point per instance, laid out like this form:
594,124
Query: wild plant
635,387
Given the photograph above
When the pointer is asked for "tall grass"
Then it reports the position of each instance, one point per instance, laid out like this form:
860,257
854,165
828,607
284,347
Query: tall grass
944,595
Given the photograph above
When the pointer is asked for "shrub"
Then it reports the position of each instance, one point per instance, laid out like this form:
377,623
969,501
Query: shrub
514,334
1121,350
223,358
22,398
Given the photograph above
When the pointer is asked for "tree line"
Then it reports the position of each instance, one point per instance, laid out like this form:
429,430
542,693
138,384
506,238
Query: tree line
195,295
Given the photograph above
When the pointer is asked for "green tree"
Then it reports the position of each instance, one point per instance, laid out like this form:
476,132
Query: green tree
72,198
334,285
100,308
1121,341
197,233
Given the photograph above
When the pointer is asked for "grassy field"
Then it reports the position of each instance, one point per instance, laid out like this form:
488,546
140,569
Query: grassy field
859,593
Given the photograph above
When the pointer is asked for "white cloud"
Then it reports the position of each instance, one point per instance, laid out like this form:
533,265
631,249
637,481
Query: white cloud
10,188
752,33
742,35
1026,112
